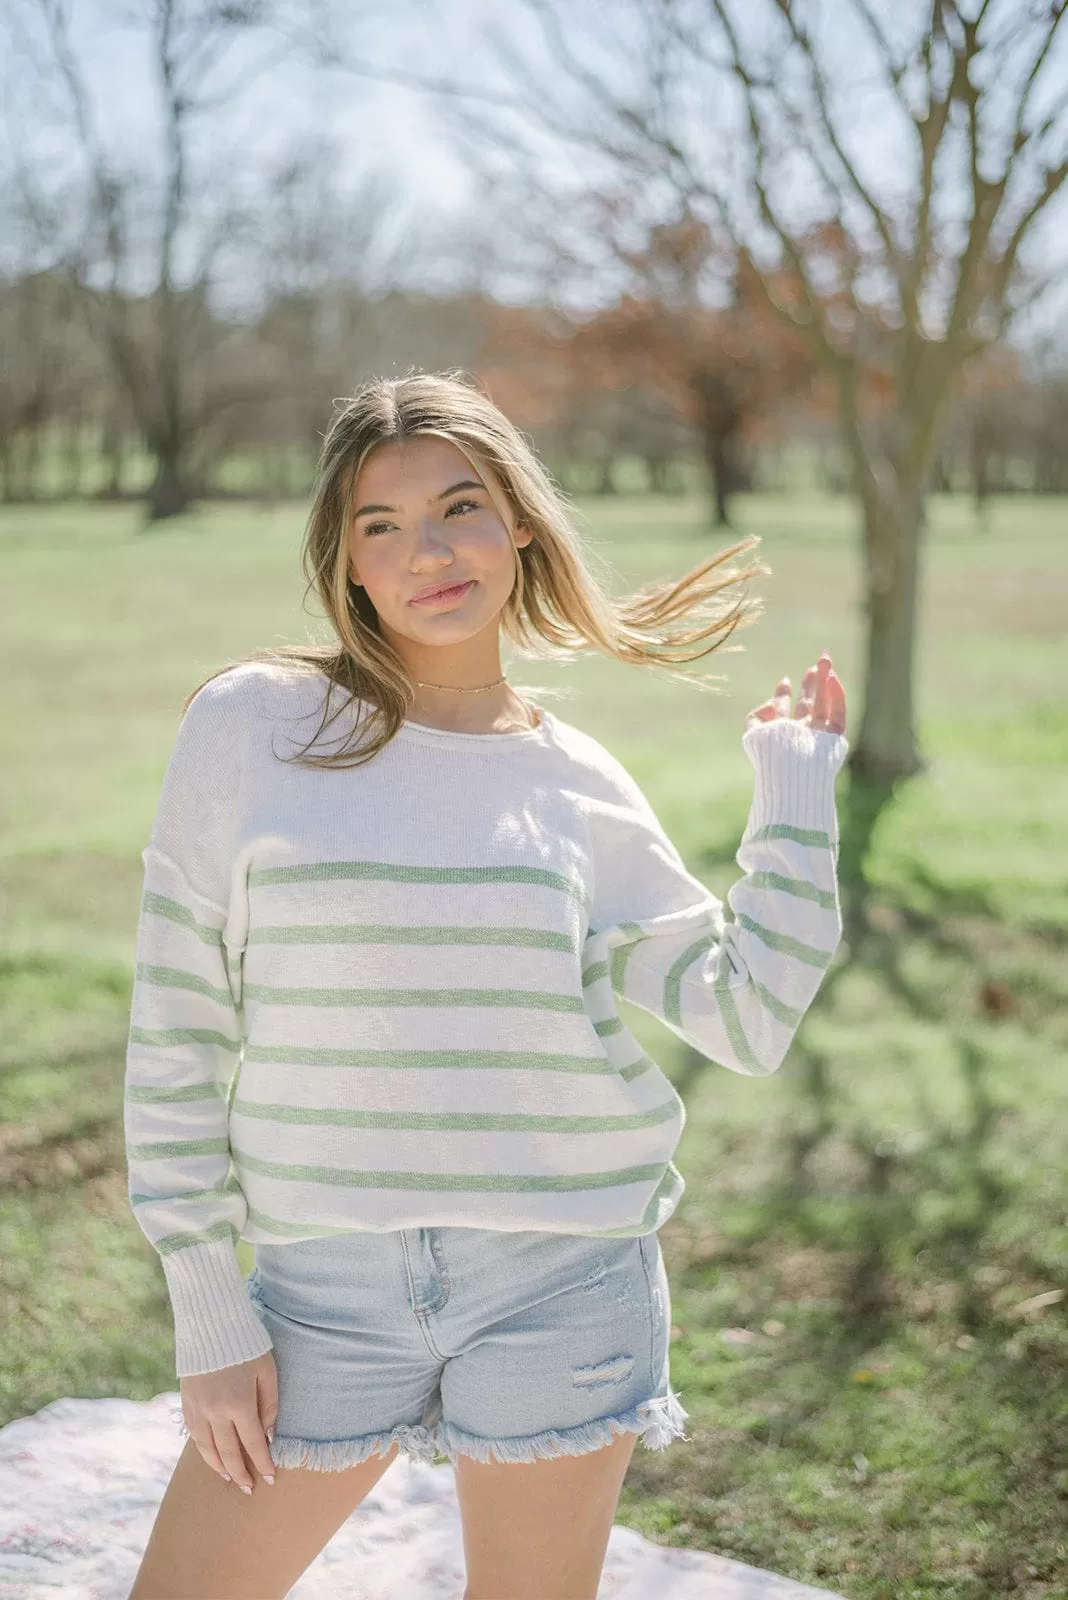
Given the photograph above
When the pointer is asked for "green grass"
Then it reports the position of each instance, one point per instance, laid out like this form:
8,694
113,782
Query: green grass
873,1216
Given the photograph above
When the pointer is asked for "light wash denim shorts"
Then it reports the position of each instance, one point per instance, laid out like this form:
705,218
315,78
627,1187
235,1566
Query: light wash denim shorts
507,1346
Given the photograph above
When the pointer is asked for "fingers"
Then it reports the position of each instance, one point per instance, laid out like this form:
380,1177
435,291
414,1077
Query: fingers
267,1393
811,702
228,1444
225,1444
835,714
202,1436
821,703
777,706
230,1415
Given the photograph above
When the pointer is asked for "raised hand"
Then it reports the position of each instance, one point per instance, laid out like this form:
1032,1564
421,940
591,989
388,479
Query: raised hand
820,705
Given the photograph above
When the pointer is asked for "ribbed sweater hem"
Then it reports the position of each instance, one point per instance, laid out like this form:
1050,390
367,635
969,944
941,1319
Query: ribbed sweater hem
214,1323
798,792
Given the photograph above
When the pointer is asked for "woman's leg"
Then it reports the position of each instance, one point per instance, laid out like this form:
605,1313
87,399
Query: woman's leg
539,1530
211,1542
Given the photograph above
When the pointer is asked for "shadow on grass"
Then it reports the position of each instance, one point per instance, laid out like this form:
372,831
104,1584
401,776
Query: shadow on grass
907,1332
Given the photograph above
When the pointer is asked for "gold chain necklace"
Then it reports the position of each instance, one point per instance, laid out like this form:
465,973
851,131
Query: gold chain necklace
477,690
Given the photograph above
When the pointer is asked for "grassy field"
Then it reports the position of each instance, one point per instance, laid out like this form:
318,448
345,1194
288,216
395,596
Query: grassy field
869,1265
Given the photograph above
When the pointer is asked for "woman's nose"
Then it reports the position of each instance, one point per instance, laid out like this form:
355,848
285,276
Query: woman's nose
431,537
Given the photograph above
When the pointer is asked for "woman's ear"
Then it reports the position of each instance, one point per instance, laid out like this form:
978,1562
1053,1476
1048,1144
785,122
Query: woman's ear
522,534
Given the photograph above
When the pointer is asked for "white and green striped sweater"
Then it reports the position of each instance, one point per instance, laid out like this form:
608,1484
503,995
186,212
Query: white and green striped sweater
385,997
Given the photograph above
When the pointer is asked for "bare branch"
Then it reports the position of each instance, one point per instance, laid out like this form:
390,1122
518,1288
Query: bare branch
1055,179
819,89
815,327
1057,13
895,69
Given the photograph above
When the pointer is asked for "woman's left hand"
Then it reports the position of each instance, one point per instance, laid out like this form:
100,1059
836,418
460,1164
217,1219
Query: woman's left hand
820,705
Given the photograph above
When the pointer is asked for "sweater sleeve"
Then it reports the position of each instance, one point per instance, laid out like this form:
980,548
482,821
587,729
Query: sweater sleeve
734,990
185,1033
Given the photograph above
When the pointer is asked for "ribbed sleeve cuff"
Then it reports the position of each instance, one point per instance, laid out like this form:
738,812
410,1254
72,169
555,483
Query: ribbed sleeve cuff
214,1322
795,771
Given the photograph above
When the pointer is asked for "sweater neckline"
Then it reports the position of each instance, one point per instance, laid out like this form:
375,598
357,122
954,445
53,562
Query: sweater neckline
424,730
543,733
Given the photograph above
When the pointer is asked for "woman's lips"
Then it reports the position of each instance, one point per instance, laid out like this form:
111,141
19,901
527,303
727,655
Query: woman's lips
443,595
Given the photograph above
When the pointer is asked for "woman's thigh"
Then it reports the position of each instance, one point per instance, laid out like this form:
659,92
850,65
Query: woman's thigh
539,1530
209,1539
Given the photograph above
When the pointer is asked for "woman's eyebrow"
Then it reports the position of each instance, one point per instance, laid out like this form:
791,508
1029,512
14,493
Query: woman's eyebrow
465,483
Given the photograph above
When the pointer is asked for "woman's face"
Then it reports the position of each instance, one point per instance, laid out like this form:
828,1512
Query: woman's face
423,518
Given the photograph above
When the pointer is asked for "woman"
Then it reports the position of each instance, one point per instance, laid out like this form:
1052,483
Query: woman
374,1028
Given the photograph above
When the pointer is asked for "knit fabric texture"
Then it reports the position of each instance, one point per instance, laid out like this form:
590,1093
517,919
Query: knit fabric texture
386,996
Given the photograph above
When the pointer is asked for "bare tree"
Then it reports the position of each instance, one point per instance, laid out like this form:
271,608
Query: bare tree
135,222
881,171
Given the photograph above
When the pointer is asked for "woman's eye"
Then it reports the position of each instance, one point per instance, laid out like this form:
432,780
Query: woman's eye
373,527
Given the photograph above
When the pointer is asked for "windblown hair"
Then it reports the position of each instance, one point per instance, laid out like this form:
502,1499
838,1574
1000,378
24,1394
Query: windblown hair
557,608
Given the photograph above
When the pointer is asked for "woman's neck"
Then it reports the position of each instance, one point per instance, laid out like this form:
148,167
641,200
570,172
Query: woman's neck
497,710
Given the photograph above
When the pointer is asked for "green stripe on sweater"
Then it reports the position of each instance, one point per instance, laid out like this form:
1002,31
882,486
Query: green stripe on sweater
163,1038
432,1060
161,905
732,1022
170,1149
387,933
437,1060
178,978
222,1191
398,872
795,886
446,1182
150,1094
456,1121
672,1001
787,945
526,999
786,830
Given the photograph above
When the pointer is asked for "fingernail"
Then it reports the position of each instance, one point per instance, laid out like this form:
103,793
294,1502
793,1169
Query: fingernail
227,1478
270,1435
268,1477
245,1488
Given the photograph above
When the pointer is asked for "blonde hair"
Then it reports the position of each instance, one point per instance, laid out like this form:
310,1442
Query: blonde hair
557,608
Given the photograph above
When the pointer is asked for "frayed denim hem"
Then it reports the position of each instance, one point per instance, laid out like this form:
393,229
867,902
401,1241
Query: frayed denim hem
657,1422
335,1455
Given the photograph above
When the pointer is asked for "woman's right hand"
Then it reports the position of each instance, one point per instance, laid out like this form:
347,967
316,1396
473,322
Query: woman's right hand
234,1406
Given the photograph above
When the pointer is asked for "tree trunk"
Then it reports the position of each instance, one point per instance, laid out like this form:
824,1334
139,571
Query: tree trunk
719,418
72,459
31,461
885,747
112,453
169,495
721,456
658,470
606,481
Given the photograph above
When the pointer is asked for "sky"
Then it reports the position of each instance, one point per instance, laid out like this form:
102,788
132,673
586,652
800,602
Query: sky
386,128
379,124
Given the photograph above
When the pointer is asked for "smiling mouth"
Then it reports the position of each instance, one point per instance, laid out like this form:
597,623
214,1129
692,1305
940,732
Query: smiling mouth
453,592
